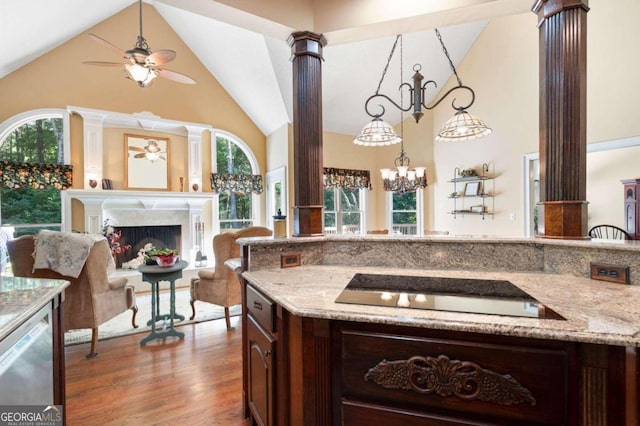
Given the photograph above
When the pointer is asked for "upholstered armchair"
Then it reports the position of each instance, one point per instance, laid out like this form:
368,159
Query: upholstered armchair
221,286
92,298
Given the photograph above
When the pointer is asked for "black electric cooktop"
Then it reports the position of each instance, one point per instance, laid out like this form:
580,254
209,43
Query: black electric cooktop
494,297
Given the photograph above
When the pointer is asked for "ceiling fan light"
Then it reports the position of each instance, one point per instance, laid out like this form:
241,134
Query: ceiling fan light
377,133
152,156
141,75
463,127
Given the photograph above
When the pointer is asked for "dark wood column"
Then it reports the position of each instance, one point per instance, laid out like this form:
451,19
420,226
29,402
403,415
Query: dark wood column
306,49
563,117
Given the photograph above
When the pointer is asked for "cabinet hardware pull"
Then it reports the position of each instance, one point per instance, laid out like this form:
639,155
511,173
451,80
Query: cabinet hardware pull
257,305
267,353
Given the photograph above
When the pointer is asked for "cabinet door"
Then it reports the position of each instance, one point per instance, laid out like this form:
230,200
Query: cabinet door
261,354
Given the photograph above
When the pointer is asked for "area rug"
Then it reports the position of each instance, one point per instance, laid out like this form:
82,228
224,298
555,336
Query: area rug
121,324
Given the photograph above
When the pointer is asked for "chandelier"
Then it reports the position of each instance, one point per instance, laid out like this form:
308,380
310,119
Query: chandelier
462,126
403,178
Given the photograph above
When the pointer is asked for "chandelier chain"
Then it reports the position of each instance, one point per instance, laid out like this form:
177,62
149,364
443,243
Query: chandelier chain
402,154
393,49
446,53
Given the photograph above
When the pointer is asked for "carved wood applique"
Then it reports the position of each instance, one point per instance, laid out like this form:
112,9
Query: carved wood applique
445,377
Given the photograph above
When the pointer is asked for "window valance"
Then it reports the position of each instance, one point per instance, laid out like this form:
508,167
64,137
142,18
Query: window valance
346,178
236,183
38,176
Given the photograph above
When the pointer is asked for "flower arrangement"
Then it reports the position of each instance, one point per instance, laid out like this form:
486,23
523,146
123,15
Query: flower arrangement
164,257
113,238
141,258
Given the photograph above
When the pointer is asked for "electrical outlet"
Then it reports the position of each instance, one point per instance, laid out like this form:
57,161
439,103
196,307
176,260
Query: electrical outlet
287,260
607,272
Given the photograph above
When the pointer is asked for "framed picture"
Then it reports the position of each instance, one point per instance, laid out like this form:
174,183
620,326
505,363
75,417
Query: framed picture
472,188
477,209
146,162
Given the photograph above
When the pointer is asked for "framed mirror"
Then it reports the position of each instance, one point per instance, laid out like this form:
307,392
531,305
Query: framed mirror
146,162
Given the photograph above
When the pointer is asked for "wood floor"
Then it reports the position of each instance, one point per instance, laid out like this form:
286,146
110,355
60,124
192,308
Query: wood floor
195,381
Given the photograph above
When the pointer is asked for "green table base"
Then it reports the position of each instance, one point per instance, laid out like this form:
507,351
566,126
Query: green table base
154,274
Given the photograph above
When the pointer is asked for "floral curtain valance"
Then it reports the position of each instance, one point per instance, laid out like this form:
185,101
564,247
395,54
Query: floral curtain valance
236,183
346,178
37,176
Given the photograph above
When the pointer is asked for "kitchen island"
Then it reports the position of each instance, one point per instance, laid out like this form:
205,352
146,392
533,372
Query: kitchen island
354,364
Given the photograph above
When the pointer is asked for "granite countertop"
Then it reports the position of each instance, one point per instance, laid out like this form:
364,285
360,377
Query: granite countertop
20,298
595,311
235,264
633,245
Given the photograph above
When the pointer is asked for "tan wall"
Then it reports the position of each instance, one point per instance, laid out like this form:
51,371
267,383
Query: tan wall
58,79
502,68
612,90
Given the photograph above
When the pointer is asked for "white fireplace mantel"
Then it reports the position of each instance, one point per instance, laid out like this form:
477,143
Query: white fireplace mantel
97,202
148,200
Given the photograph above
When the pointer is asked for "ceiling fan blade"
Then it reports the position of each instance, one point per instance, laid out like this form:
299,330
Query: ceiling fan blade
136,148
103,64
110,46
140,155
160,57
175,76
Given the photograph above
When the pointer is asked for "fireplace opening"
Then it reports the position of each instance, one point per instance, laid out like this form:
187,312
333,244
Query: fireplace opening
163,236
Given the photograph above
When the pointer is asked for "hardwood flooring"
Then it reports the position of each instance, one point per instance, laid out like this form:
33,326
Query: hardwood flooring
195,381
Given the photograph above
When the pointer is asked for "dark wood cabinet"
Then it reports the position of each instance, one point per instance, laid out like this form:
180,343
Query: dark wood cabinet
307,372
260,353
632,207
416,376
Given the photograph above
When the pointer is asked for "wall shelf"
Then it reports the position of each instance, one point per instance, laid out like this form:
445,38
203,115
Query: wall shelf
475,187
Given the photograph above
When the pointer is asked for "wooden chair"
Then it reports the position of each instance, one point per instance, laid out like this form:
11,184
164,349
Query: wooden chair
221,286
92,298
609,232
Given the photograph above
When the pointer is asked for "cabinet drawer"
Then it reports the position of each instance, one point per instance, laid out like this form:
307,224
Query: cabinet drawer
496,381
261,308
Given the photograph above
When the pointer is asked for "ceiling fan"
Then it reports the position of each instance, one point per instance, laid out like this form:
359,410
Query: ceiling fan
151,151
143,65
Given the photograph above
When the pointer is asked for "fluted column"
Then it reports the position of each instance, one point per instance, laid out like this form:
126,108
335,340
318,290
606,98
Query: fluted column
563,117
306,49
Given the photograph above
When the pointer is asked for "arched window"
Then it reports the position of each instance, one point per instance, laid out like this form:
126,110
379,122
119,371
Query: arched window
34,147
236,180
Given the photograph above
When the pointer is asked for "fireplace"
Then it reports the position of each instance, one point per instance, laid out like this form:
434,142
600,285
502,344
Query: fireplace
180,211
165,236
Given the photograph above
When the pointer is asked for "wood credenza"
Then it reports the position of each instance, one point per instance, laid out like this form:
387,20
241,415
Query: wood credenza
309,371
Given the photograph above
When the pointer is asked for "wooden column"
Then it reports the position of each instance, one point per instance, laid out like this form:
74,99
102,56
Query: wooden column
563,117
306,49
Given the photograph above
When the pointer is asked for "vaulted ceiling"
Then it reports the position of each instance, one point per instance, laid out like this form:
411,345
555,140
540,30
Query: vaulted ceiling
258,75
